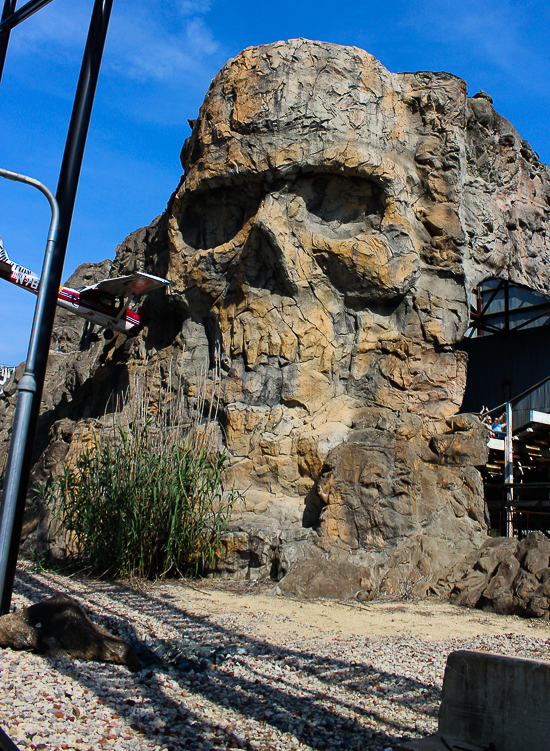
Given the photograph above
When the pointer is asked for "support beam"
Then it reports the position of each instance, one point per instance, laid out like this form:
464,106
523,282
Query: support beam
509,471
15,18
66,195
9,9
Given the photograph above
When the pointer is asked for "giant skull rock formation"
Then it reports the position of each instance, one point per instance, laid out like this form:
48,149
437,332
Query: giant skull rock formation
330,225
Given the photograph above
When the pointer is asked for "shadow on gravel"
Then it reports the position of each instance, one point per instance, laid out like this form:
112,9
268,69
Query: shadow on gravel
269,692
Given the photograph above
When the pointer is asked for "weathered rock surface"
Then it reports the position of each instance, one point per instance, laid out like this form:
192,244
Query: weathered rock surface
59,625
331,223
504,576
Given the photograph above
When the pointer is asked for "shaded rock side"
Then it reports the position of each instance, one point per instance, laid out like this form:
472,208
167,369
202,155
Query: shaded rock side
322,246
504,576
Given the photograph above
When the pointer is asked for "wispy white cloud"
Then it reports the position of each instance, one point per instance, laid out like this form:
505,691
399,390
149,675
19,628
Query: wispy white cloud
498,31
160,40
192,7
60,25
146,40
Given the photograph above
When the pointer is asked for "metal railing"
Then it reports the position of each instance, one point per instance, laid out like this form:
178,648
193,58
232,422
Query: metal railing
509,485
528,510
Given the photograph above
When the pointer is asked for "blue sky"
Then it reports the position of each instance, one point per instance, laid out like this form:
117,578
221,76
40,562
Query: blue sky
159,59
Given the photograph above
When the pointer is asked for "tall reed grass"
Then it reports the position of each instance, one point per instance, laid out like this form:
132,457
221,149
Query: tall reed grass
146,497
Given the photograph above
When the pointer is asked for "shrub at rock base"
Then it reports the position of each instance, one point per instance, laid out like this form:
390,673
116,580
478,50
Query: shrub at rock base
134,507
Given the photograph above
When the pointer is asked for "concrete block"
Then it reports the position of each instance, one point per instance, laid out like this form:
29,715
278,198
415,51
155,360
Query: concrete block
490,699
437,743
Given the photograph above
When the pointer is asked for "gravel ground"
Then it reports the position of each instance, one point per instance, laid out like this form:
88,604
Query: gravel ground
241,670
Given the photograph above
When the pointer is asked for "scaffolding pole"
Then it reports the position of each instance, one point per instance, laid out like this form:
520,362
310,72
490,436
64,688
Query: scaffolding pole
66,196
509,472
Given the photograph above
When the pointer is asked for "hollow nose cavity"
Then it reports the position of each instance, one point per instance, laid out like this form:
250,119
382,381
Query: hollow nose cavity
271,258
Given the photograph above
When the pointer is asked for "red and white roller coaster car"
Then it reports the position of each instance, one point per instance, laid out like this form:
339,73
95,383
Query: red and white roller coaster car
104,303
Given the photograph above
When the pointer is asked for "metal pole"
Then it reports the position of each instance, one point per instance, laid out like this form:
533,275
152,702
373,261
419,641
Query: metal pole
26,392
6,744
506,306
22,14
10,19
9,9
66,195
509,470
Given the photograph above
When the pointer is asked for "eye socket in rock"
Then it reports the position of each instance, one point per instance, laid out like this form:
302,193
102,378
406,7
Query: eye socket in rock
341,205
338,206
214,217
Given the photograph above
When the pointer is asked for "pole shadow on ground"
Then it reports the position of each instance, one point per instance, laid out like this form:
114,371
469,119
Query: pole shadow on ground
278,688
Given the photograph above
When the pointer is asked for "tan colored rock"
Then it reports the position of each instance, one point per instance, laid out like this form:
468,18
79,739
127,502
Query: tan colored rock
338,577
534,558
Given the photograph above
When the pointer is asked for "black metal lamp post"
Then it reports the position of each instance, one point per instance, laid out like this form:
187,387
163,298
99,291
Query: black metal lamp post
66,194
26,393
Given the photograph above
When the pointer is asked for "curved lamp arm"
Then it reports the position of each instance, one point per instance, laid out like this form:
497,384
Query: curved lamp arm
26,389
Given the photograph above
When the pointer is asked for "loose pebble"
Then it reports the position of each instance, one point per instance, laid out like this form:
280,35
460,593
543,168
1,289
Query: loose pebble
217,682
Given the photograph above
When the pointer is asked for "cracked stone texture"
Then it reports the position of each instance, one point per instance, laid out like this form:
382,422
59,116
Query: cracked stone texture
330,225
504,576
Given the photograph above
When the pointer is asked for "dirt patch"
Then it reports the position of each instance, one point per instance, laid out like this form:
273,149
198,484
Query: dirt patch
429,618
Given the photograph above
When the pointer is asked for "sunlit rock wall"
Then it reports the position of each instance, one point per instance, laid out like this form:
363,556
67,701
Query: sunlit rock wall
322,246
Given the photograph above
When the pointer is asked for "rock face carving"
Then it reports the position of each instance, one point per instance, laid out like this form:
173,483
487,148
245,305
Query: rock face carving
322,245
